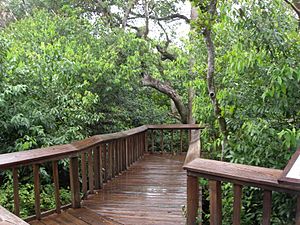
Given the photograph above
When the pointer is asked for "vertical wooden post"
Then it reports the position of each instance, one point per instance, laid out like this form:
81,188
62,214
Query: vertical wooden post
192,200
83,174
100,166
237,203
113,144
16,192
91,171
127,153
110,161
105,161
146,141
297,221
162,140
215,202
96,162
171,144
56,186
181,141
74,180
37,200
152,140
267,207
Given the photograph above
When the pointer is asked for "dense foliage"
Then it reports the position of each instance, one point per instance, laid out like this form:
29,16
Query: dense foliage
68,71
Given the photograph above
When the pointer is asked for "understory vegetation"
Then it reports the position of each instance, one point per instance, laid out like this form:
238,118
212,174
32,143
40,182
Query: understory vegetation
72,69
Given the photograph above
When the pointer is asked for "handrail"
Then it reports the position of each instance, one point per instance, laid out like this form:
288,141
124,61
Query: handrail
7,217
240,175
93,161
10,160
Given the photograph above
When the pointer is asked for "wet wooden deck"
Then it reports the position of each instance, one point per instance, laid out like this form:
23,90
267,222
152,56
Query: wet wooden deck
152,191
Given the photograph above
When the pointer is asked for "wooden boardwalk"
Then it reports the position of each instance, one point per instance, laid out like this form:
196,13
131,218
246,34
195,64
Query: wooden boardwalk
152,191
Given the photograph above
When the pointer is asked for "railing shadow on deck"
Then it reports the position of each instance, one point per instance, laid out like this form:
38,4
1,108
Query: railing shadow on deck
93,161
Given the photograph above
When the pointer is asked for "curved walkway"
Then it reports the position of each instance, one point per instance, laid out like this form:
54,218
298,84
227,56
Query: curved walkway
152,191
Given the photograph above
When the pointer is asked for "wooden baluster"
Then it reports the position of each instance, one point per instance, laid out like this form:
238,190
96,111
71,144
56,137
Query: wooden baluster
190,136
124,154
97,167
146,141
127,163
114,159
16,192
83,175
181,141
100,166
162,140
119,157
171,144
105,161
215,202
192,200
237,203
91,171
74,182
110,161
56,186
37,200
152,140
267,207
297,222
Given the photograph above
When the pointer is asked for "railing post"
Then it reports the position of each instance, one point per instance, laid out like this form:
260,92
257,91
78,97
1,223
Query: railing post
152,140
100,166
267,205
146,141
192,200
298,211
74,180
237,203
37,200
83,174
97,167
56,186
16,192
215,203
91,171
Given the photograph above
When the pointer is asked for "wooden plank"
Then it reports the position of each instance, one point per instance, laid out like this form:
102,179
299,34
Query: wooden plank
152,140
297,220
91,217
146,141
91,171
192,200
37,200
84,175
240,174
284,177
74,182
96,163
56,186
101,166
181,141
127,153
7,217
105,161
16,192
215,202
237,203
110,161
162,140
267,207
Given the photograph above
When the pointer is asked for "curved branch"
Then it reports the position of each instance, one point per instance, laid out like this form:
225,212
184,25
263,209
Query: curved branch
166,89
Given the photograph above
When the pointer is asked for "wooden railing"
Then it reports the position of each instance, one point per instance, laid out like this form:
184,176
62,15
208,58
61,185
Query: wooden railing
239,175
92,162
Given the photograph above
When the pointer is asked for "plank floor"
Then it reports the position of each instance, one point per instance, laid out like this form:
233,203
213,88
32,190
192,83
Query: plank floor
152,191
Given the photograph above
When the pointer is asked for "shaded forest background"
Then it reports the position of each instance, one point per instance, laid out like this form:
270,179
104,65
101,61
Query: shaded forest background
71,69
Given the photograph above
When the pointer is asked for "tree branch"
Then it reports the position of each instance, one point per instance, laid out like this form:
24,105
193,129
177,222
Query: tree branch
296,10
166,89
207,32
165,18
127,12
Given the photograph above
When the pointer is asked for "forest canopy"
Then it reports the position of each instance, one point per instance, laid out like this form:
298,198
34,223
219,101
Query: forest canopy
71,69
